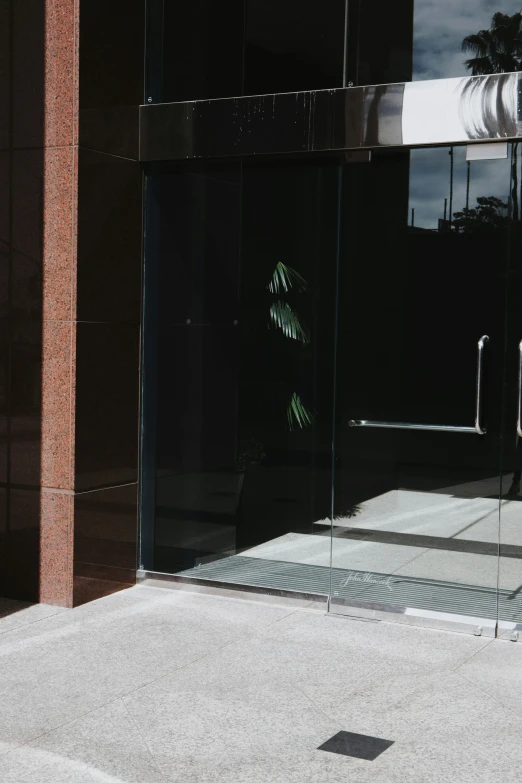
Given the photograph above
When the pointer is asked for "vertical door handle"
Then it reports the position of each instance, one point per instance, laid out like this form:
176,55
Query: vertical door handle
519,412
478,400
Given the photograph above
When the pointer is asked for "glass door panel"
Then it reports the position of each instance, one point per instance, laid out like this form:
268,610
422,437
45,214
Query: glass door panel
510,565
238,372
422,287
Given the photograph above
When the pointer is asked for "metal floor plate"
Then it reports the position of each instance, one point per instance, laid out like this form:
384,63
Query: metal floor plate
363,586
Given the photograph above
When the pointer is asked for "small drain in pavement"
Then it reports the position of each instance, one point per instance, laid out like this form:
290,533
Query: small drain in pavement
360,746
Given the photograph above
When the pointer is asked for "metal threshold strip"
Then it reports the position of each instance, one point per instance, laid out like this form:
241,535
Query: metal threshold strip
298,580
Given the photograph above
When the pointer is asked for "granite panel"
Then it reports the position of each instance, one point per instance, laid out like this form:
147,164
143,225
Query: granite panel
111,53
109,238
24,545
56,432
5,71
105,540
76,102
29,77
26,400
60,64
26,287
41,401
4,553
5,192
74,257
111,129
107,405
27,214
56,548
58,232
88,589
43,232
4,374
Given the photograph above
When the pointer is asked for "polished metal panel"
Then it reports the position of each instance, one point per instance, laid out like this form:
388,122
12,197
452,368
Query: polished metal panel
519,413
443,111
477,429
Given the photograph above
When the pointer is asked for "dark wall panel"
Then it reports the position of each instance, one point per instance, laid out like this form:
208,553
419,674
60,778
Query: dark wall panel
105,542
109,271
109,238
111,74
107,405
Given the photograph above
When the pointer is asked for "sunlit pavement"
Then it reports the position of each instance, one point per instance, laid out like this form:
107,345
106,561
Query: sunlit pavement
154,684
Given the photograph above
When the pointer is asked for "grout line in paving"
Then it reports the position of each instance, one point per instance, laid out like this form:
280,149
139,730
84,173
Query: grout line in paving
335,720
59,610
488,695
60,726
153,757
476,652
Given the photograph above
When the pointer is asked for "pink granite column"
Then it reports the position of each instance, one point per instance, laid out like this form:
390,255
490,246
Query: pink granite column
59,300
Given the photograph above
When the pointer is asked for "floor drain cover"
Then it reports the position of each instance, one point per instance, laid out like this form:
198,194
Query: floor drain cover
360,746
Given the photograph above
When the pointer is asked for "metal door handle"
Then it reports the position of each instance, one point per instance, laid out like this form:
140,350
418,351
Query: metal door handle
519,413
477,429
478,398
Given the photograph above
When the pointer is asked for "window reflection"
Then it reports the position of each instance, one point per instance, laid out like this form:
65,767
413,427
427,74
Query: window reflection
250,47
432,39
476,36
449,193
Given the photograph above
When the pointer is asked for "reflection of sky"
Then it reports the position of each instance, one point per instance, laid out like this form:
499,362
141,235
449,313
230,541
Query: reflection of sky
430,182
440,26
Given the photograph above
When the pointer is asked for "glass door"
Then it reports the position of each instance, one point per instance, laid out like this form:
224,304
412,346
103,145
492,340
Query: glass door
510,564
425,239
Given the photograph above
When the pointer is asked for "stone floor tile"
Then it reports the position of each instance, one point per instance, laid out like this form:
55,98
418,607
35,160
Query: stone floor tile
103,746
14,614
497,671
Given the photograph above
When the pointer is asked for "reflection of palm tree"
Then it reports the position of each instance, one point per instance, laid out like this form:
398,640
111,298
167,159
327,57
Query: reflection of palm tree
497,50
284,318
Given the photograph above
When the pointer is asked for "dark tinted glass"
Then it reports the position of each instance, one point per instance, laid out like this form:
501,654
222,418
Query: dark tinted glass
238,369
293,45
204,49
431,39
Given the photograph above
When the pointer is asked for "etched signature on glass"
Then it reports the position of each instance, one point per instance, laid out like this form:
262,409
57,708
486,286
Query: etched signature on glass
368,578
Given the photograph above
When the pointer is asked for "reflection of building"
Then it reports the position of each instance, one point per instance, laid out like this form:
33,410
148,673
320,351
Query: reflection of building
156,201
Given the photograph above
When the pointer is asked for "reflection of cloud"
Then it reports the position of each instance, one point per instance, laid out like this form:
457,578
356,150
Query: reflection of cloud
430,182
441,25
459,109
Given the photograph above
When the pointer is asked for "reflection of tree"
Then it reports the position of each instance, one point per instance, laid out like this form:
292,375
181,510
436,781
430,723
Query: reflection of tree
490,214
497,50
284,318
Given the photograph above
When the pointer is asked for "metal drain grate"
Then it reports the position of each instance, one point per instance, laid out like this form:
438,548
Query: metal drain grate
428,594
